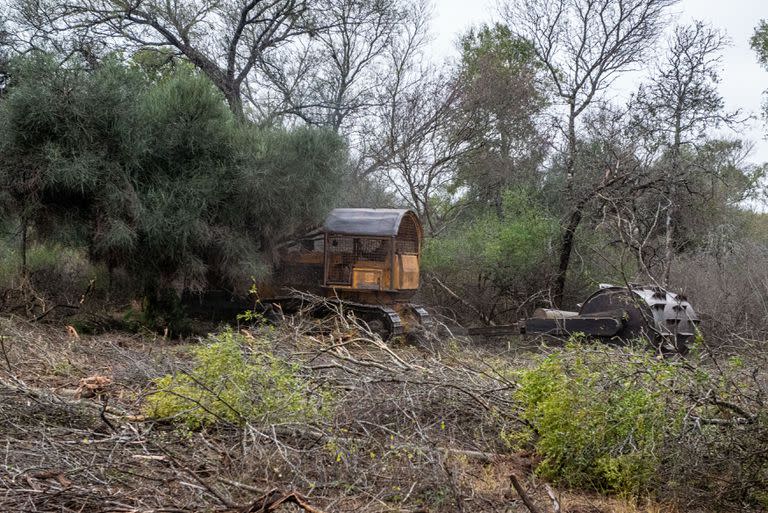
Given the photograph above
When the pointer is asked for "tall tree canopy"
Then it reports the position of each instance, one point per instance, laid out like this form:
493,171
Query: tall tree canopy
157,177
584,45
497,113
224,39
679,107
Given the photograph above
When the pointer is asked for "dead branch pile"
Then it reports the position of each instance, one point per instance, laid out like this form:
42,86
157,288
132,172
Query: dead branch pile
414,428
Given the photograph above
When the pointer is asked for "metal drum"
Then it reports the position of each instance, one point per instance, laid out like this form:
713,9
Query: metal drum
666,319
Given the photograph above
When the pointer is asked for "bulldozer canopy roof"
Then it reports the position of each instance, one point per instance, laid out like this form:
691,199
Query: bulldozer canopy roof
374,222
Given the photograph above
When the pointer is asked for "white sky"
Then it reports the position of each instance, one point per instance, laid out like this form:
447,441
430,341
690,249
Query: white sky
742,79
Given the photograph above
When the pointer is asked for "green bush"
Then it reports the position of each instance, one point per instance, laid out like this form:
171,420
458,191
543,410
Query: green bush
506,247
599,418
237,379
57,271
496,263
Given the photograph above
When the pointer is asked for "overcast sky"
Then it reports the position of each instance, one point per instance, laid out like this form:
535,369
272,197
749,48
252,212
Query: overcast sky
743,80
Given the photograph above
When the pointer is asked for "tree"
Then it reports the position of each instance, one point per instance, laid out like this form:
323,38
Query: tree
583,46
421,152
413,137
759,42
158,178
679,107
224,39
492,266
56,129
335,73
497,113
5,38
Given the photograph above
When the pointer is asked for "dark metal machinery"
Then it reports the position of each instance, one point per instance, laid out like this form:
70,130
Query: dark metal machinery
620,314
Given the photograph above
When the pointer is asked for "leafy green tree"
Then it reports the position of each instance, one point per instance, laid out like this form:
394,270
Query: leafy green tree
759,42
58,134
495,264
497,114
157,177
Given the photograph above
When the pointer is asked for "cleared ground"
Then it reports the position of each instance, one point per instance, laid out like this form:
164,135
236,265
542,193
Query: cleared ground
415,427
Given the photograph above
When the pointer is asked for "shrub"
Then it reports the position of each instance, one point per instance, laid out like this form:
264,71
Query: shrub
237,379
496,263
598,418
621,420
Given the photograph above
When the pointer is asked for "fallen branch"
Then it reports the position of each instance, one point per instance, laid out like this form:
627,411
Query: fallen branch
18,386
523,495
274,499
462,301
553,497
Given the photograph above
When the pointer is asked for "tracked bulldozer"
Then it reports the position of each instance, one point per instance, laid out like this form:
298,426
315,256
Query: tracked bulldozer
368,260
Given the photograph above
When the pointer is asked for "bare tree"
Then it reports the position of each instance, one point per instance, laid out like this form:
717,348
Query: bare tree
336,74
406,137
225,39
471,129
4,50
584,45
423,150
679,106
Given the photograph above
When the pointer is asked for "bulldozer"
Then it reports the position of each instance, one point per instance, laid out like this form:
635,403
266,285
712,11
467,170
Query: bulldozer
368,260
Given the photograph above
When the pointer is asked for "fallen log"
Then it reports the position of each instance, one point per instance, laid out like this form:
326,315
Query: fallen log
271,501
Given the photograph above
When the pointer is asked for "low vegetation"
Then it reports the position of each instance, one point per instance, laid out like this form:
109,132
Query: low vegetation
600,417
237,379
624,421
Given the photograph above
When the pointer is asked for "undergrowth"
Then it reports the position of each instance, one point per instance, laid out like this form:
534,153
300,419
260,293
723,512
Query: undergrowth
598,419
624,420
237,379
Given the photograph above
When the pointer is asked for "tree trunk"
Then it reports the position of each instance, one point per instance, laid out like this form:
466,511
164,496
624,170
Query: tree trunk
566,248
669,235
668,239
23,247
574,219
234,99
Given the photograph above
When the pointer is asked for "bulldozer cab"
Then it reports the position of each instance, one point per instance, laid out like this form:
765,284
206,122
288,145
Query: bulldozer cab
372,250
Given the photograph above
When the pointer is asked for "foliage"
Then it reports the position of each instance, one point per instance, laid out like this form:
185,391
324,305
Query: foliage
55,270
156,176
237,379
509,255
500,101
598,422
514,244
759,42
498,43
624,420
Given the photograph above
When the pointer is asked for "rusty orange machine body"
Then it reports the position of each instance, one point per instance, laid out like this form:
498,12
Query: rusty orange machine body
361,254
366,259
369,258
